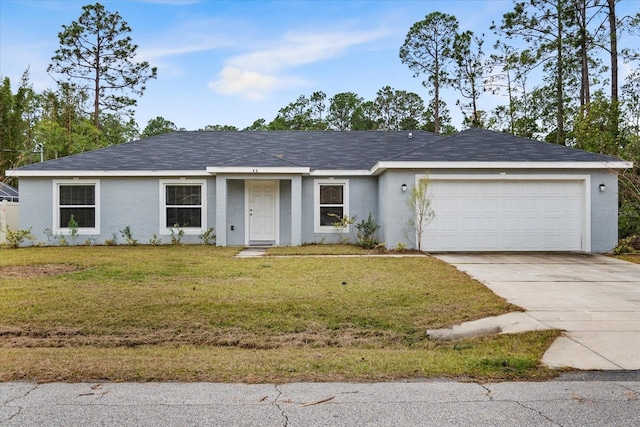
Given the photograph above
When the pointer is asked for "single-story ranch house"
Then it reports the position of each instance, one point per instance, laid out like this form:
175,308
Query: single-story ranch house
490,191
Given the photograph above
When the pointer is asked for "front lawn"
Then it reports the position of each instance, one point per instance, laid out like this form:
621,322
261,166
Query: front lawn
195,313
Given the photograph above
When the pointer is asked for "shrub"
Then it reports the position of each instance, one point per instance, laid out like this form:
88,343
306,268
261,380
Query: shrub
366,236
73,230
400,247
16,238
341,224
176,235
113,241
626,246
126,233
208,237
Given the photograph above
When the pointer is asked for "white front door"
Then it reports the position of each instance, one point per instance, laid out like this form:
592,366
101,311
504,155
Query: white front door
262,211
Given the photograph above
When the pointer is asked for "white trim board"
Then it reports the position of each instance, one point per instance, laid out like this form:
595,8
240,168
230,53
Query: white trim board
82,231
317,228
214,170
380,167
89,173
163,230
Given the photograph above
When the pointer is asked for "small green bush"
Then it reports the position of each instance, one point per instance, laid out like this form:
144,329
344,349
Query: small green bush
177,234
342,223
366,236
208,237
113,241
73,230
128,237
16,238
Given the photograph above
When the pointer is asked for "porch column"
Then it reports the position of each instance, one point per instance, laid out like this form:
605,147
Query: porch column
221,211
296,211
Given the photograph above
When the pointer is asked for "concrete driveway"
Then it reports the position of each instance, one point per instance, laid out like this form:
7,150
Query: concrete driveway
593,298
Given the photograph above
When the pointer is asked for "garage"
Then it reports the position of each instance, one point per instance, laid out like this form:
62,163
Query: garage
507,214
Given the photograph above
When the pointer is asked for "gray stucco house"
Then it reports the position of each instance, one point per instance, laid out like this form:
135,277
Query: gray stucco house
491,191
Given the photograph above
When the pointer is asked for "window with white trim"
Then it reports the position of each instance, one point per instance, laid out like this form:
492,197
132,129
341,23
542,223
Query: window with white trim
183,205
79,199
331,202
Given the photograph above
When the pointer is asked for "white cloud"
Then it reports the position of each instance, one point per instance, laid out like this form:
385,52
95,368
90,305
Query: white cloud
255,74
250,84
178,49
193,37
189,37
299,49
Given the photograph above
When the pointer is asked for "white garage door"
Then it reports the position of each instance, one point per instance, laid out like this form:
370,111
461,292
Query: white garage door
506,215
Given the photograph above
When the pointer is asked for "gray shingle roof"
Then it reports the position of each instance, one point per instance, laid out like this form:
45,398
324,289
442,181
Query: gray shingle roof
196,150
481,145
8,193
348,150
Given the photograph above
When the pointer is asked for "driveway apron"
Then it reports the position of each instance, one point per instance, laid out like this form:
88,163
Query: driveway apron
593,298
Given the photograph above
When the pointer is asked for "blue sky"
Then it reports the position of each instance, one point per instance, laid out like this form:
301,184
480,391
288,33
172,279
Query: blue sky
232,62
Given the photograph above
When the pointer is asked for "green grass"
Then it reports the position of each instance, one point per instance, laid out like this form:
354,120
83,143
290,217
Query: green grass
318,249
195,313
630,257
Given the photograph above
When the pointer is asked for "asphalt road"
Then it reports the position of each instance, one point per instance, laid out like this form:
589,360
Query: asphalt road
581,399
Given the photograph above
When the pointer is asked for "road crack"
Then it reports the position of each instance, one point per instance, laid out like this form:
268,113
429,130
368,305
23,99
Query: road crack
276,403
18,407
488,391
489,394
537,412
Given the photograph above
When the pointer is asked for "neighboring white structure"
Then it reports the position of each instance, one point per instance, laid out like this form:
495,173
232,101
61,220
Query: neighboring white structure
8,217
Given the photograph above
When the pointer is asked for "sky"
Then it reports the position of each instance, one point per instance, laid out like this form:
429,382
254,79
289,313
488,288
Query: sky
233,62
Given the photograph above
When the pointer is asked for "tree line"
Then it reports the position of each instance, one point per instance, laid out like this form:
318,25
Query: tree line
556,65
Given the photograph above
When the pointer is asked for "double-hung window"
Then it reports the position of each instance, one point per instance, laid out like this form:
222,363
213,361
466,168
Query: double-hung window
331,203
183,205
80,200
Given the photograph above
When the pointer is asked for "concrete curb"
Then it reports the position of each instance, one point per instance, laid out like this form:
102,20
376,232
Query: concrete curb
509,323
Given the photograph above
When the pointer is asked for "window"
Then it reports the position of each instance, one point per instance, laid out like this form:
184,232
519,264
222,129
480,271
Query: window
80,199
331,200
183,205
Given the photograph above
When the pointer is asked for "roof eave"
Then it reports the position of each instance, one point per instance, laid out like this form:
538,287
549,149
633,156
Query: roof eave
380,167
341,172
102,173
214,170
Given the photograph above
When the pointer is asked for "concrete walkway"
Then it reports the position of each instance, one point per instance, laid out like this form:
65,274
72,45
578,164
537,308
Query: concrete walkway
252,252
595,299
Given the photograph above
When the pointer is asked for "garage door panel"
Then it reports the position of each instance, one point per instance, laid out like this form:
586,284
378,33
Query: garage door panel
485,215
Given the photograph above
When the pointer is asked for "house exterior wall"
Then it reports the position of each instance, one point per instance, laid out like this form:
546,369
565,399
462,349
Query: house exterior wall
36,205
363,198
285,213
604,212
235,212
395,213
133,202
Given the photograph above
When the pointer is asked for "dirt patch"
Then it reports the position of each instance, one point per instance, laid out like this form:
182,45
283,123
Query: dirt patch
26,271
16,337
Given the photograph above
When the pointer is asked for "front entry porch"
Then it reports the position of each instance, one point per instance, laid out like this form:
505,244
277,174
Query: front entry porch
258,209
